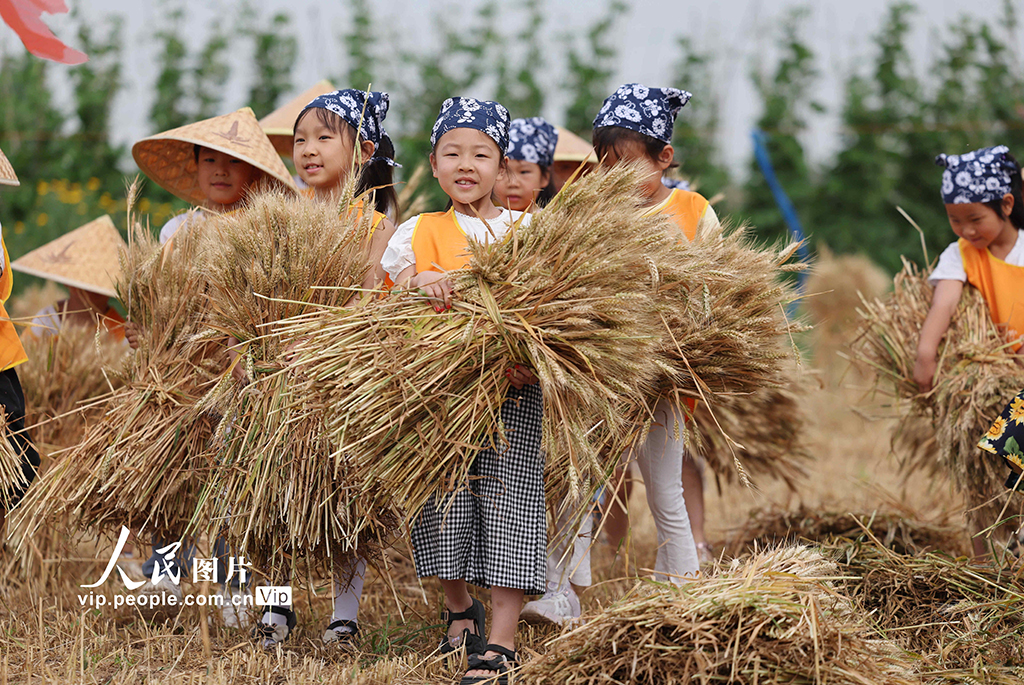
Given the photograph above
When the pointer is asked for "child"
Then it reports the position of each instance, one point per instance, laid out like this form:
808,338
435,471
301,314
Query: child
334,134
527,182
12,399
212,164
571,153
84,261
982,194
342,131
635,126
491,531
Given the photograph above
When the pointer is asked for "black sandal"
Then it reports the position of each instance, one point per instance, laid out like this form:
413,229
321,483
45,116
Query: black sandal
500,666
342,639
270,635
478,614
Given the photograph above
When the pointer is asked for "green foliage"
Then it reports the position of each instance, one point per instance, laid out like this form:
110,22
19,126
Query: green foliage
169,107
785,96
359,46
274,51
210,74
590,71
694,136
518,88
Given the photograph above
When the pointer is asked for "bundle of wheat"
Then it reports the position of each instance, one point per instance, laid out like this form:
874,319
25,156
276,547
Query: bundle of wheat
589,294
977,373
142,465
775,617
65,379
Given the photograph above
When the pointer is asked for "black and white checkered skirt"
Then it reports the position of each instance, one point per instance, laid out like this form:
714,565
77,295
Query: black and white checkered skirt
493,531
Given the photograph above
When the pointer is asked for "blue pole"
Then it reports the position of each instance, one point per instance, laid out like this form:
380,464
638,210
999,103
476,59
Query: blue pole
789,214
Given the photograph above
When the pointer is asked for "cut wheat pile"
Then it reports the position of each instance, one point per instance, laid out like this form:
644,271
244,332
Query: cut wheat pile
593,296
144,464
65,378
775,617
977,374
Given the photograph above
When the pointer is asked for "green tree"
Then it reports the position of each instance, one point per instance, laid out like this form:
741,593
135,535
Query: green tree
210,74
786,102
694,136
590,70
359,46
274,52
169,109
518,88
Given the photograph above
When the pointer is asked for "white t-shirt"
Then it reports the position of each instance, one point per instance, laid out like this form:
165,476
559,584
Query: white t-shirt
176,222
951,263
399,255
46,322
3,262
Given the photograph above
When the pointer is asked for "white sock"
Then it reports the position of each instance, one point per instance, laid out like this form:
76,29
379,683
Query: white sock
346,602
271,618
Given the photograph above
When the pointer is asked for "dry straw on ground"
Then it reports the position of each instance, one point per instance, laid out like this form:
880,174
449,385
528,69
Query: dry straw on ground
775,617
977,374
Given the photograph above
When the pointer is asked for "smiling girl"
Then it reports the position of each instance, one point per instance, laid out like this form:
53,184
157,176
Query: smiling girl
491,530
342,132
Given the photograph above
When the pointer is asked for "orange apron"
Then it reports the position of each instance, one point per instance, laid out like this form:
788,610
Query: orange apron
1002,286
11,351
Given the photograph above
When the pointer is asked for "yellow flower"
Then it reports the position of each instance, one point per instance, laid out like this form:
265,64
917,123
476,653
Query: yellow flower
1017,410
19,227
93,185
42,188
42,218
82,208
997,429
144,205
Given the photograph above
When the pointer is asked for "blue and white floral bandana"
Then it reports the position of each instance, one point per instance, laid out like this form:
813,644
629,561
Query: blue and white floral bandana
651,111
675,183
483,115
980,176
532,140
349,105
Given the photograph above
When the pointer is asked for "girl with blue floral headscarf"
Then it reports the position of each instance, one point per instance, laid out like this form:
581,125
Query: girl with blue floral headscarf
982,194
491,531
527,181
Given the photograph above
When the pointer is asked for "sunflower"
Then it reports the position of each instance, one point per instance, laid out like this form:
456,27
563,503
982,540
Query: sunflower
1017,409
997,429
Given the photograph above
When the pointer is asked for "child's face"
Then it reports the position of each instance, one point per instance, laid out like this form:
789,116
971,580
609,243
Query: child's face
223,179
980,225
519,186
632,151
323,157
466,162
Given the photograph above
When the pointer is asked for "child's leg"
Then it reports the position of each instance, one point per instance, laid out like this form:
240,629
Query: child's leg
12,399
616,516
568,567
693,495
660,459
346,601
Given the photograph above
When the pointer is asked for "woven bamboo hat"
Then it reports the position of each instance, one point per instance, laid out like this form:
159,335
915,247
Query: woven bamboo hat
85,258
572,148
169,157
279,124
7,175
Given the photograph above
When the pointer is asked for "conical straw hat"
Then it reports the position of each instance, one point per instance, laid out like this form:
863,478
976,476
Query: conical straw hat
169,157
278,125
85,258
572,148
7,175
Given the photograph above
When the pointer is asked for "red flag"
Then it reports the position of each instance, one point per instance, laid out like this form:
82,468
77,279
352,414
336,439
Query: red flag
24,17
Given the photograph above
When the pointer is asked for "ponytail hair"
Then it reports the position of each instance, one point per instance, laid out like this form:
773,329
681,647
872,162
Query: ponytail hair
377,175
1017,213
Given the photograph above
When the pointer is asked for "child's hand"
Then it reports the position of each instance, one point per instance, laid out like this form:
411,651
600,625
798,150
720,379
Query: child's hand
520,376
435,286
924,371
133,334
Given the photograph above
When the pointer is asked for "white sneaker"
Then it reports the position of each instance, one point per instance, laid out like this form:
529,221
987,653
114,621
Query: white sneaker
164,600
559,607
233,611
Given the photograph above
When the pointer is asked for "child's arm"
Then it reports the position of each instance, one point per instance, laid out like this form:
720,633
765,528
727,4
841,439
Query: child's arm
434,285
378,244
944,301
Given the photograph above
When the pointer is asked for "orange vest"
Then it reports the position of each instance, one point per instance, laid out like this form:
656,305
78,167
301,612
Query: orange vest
1002,286
11,351
439,243
685,207
114,323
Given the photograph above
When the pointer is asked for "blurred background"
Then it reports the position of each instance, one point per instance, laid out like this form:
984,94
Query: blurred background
854,99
